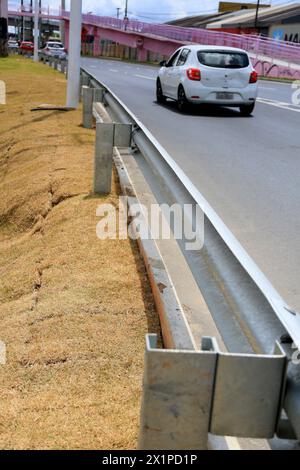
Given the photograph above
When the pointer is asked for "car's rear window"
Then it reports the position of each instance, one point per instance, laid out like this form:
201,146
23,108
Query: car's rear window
223,59
55,46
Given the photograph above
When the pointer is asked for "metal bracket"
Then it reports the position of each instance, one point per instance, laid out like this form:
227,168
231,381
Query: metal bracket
188,394
122,132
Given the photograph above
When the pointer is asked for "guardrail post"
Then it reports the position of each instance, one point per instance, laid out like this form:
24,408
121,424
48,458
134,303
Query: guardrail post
55,64
98,95
123,134
87,107
188,394
177,395
103,157
62,66
84,82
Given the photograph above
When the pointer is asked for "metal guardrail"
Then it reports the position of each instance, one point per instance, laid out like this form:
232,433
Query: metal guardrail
55,62
188,394
250,385
235,289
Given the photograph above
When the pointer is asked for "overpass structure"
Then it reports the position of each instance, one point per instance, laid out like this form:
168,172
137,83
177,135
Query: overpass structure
272,58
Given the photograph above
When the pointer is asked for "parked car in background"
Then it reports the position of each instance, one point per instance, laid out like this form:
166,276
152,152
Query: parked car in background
209,75
26,47
12,44
54,49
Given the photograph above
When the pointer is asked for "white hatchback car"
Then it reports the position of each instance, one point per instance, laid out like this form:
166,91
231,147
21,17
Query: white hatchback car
208,74
54,49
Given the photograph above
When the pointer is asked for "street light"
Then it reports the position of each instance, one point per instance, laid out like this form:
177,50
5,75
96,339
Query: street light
36,31
126,10
73,87
256,14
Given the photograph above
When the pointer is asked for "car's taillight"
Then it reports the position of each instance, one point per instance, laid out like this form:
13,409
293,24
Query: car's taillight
194,74
253,77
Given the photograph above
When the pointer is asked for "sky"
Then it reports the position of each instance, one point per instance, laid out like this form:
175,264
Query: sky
149,10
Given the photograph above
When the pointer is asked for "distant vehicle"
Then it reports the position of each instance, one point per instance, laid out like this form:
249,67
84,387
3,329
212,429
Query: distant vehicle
54,49
26,47
12,44
208,74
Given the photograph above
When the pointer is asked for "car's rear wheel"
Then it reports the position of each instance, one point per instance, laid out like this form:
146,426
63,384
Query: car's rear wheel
160,98
182,100
247,109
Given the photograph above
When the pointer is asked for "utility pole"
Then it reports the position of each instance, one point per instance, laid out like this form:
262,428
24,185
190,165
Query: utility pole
256,14
126,10
62,24
23,21
36,30
73,88
40,24
3,27
118,12
31,21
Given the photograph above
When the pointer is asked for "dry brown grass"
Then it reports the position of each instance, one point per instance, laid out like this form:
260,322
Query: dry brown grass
73,309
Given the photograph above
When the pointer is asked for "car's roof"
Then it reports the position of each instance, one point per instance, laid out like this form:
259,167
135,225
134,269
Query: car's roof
202,47
54,42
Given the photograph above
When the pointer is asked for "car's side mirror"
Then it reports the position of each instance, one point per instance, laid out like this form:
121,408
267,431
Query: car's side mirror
163,63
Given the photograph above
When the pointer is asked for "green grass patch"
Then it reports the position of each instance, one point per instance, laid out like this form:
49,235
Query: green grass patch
23,65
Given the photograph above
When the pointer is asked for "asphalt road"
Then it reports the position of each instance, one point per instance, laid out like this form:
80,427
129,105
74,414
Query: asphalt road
247,168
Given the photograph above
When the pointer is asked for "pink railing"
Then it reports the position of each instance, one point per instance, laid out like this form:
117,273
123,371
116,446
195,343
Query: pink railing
259,45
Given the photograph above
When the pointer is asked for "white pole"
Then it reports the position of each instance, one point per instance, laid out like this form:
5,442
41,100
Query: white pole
3,8
36,31
74,54
62,23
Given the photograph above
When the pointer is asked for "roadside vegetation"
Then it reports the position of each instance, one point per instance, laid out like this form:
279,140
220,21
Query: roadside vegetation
74,310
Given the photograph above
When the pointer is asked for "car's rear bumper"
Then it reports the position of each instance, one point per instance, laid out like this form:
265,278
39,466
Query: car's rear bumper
231,103
238,96
56,56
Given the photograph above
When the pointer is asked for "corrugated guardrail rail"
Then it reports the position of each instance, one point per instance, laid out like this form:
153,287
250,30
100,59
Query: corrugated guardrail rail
249,313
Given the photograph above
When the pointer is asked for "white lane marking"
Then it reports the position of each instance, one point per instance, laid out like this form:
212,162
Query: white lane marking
266,88
143,76
280,104
114,70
